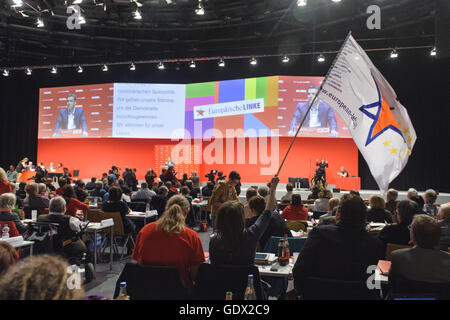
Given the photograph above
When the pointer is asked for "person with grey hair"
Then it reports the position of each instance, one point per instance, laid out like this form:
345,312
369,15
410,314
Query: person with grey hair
424,262
71,118
68,229
391,200
7,204
43,190
430,197
263,191
33,199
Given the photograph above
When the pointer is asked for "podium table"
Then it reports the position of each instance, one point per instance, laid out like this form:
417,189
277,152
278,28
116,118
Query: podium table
353,183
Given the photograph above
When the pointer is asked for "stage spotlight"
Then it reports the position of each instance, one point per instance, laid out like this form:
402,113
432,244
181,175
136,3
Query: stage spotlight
77,1
17,3
82,20
336,0
221,63
137,15
200,10
53,70
5,73
132,67
394,54
161,66
321,58
28,71
285,59
433,51
192,64
79,69
40,23
105,68
253,61
301,3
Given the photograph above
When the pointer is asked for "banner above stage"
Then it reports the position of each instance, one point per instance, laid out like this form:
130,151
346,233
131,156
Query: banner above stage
378,122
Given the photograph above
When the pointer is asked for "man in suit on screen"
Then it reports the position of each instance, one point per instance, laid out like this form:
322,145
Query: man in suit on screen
71,118
320,115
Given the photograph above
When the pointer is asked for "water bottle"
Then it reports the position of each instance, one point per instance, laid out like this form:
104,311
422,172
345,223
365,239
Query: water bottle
5,232
250,290
123,292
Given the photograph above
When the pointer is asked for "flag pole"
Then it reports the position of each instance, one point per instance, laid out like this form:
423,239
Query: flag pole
314,100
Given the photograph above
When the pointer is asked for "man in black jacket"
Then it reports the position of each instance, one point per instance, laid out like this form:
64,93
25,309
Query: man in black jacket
342,251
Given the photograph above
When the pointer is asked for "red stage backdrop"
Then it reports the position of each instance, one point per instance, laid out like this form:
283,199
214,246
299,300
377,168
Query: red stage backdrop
95,156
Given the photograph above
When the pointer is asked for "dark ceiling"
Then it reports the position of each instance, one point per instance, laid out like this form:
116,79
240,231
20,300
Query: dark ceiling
228,28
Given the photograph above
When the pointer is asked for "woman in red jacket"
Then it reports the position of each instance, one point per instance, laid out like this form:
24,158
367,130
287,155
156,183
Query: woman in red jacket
295,211
72,204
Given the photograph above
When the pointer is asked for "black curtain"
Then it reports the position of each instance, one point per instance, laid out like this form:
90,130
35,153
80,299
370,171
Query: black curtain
421,83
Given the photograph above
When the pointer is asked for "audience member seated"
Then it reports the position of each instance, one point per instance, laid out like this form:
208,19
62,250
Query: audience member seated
234,243
251,192
46,279
277,226
295,211
444,217
33,200
21,193
69,227
8,257
125,189
169,242
355,193
143,194
193,191
115,204
286,199
377,211
414,196
333,203
80,192
172,190
91,184
159,201
98,191
399,233
391,200
208,189
342,251
430,197
314,193
50,185
263,191
61,183
321,204
11,174
185,193
5,185
7,204
424,262
43,190
72,203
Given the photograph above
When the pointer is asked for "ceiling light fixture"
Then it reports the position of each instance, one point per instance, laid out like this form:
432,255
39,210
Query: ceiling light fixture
5,73
285,59
301,3
253,61
221,63
132,67
321,58
433,52
161,66
40,23
200,10
104,68
17,3
80,69
192,64
137,15
28,71
53,70
394,54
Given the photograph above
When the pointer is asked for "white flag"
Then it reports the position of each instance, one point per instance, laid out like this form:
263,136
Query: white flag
379,124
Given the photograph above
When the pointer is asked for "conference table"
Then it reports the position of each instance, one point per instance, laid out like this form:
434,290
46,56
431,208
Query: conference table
350,183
